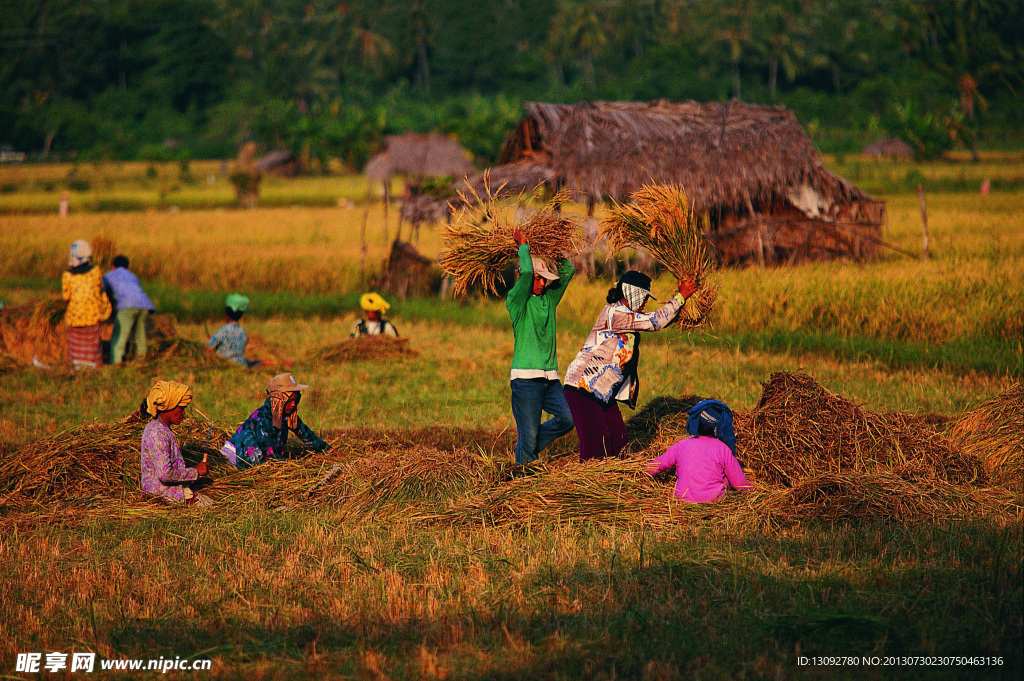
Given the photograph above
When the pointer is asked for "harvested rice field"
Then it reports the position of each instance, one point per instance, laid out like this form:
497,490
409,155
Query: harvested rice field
877,411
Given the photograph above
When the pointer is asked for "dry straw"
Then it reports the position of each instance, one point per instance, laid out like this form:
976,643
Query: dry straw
365,348
659,219
479,242
994,432
93,460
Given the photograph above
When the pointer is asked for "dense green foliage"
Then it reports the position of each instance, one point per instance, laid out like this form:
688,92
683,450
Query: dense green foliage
159,79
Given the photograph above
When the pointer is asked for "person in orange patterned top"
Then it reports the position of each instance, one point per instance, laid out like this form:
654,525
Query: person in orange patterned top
88,305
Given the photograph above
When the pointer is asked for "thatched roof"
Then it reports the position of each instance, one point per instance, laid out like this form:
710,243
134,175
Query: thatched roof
889,147
728,155
419,155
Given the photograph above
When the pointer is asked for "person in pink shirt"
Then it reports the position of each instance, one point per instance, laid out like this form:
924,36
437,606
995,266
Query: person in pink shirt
705,467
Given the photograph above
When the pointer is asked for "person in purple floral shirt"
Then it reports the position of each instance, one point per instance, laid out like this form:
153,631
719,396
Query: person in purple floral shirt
163,471
264,434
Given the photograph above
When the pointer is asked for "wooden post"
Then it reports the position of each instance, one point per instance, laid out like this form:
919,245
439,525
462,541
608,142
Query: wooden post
362,240
924,222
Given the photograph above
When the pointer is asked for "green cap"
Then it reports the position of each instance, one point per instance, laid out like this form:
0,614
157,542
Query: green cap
237,302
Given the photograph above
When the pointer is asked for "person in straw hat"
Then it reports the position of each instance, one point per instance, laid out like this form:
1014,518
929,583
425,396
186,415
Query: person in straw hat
605,370
705,464
163,471
375,324
88,305
231,339
264,434
531,304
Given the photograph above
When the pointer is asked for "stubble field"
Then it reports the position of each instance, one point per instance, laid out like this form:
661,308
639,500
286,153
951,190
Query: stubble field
275,583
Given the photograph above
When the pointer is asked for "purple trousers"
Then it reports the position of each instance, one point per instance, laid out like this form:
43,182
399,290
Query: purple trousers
600,428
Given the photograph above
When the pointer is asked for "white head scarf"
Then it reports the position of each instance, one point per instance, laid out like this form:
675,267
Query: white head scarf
80,253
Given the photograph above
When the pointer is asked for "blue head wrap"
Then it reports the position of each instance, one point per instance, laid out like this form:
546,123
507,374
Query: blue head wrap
716,415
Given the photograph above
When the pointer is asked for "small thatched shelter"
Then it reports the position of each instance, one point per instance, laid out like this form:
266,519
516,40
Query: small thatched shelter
889,147
418,155
748,169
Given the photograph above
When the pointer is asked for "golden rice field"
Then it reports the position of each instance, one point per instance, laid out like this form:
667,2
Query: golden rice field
286,590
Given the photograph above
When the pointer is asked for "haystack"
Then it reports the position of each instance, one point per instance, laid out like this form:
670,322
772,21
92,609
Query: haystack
994,432
752,174
373,348
800,430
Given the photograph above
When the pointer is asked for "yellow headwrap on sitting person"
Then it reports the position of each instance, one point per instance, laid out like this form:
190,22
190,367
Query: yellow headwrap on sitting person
373,302
166,395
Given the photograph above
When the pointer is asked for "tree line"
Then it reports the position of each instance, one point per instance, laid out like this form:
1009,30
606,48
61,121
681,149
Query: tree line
329,78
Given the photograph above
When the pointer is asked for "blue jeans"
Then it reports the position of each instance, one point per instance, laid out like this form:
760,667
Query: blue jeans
530,397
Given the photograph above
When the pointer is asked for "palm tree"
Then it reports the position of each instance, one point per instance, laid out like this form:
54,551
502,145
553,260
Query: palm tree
577,27
964,46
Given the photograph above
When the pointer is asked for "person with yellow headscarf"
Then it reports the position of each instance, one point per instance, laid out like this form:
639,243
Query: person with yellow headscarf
375,324
163,471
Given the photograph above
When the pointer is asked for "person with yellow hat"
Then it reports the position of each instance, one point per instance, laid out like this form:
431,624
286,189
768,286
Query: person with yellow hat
375,324
264,434
163,471
231,339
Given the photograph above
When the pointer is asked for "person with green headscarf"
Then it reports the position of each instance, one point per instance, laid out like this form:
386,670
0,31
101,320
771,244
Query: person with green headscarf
231,339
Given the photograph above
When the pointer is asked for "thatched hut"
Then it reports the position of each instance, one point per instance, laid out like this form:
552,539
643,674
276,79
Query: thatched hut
889,147
748,169
419,156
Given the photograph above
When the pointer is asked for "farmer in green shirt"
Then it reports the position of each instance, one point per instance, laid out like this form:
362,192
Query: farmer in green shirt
531,304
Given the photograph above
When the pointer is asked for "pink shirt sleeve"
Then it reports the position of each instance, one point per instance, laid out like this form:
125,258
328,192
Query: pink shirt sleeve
664,462
734,473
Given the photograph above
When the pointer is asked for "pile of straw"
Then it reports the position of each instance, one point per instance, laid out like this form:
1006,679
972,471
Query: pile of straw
668,413
882,495
799,430
612,491
193,353
34,331
659,219
994,432
266,352
365,348
94,460
479,242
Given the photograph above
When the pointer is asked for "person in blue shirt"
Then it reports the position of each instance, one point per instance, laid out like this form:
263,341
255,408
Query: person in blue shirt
231,339
133,307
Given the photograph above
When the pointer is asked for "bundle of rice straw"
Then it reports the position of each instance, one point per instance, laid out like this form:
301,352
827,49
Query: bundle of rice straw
479,242
658,219
994,432
365,347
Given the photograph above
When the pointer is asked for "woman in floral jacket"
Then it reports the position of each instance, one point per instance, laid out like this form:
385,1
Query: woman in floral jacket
163,471
264,434
605,370
88,305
